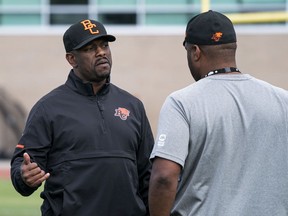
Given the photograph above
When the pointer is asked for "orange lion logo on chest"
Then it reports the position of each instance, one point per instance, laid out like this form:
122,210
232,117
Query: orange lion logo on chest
123,113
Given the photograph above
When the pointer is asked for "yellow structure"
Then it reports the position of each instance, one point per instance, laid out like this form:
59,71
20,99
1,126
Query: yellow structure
257,17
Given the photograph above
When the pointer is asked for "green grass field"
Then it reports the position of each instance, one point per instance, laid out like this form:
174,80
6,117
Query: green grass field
13,204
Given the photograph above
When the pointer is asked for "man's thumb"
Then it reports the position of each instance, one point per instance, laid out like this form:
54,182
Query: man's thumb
26,158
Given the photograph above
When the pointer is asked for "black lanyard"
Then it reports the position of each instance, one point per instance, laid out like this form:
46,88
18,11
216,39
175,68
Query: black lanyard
222,70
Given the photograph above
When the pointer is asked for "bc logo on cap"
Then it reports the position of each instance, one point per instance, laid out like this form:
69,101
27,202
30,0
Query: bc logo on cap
89,26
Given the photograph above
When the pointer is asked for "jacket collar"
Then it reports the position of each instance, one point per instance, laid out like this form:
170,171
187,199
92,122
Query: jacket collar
77,85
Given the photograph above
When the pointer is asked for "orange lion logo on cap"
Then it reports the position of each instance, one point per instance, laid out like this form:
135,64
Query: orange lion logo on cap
217,36
123,113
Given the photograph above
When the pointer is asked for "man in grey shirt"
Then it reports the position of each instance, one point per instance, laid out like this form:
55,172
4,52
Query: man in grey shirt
222,144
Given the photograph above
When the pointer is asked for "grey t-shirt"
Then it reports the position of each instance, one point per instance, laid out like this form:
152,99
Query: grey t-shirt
230,135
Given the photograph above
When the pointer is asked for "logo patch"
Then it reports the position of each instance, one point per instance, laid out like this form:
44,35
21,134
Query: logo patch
161,140
123,113
89,26
217,36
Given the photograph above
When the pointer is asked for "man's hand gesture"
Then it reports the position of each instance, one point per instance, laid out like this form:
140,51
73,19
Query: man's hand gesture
31,173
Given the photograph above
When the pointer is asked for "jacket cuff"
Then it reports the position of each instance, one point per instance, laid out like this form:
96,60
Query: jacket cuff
20,185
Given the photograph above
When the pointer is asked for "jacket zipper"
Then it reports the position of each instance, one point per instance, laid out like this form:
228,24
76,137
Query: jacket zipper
101,110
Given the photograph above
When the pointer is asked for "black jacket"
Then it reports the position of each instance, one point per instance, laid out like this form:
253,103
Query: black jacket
96,148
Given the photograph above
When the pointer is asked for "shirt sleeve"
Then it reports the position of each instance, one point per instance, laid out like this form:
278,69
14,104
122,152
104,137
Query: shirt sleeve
172,140
36,141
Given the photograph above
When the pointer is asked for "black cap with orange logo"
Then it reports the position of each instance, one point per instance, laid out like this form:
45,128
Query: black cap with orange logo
210,28
83,32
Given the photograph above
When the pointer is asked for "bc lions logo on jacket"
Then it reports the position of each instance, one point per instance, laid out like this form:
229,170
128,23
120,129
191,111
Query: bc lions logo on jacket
123,113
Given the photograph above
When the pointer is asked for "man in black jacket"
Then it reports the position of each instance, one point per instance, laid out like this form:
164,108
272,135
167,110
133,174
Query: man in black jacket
89,140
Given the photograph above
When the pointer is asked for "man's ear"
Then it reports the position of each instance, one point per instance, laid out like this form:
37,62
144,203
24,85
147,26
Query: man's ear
70,57
196,52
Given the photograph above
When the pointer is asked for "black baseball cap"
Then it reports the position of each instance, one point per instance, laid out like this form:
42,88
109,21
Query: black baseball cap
83,32
210,28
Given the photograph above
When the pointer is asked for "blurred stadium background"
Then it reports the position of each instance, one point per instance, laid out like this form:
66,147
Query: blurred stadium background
148,57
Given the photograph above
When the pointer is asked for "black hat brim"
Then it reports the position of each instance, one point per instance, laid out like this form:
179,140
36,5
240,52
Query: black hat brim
109,38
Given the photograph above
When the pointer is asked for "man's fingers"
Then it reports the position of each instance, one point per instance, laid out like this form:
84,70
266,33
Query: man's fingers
26,158
45,177
36,180
33,170
41,179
